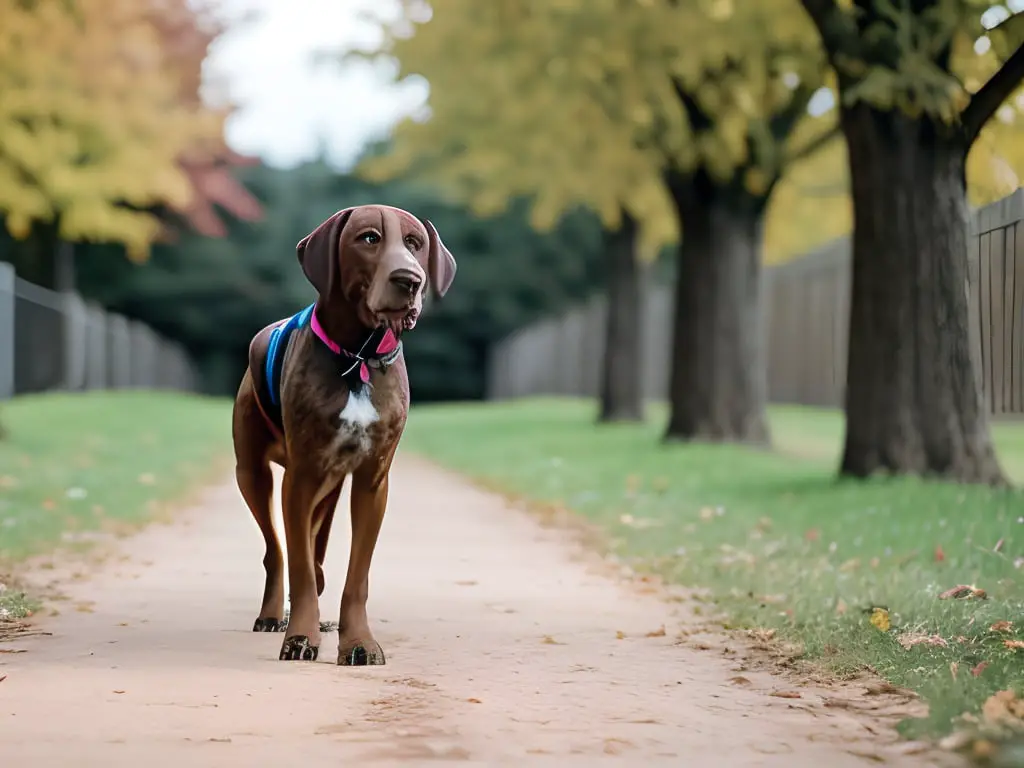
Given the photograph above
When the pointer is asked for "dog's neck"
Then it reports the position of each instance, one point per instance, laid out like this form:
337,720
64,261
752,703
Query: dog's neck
340,323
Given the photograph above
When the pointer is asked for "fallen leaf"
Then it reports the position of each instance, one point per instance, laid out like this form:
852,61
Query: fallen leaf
739,680
910,639
1014,645
812,535
786,695
954,668
474,701
880,619
1002,626
979,668
48,504
659,632
761,635
875,562
999,546
940,555
13,650
620,635
549,640
1003,708
983,749
962,591
118,691
954,742
850,565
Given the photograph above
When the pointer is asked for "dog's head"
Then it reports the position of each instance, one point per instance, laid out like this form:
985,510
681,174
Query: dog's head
379,260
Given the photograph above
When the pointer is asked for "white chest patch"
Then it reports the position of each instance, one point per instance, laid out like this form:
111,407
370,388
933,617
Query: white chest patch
359,410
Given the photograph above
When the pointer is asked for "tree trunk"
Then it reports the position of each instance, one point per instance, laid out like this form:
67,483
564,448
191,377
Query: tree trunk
718,382
913,402
622,397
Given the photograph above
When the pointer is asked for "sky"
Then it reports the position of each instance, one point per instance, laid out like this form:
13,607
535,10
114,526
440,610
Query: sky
289,105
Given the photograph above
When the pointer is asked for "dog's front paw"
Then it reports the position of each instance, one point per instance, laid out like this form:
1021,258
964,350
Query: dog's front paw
361,653
298,648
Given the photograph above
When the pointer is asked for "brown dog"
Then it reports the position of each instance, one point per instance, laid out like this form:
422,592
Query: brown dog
325,396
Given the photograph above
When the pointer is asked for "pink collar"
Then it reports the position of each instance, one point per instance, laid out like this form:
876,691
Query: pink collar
321,334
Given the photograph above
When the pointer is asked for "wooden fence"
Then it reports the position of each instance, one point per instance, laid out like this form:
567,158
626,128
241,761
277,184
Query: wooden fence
806,319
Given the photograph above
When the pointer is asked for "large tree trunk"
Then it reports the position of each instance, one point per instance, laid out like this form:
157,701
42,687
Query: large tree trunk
622,366
913,402
718,382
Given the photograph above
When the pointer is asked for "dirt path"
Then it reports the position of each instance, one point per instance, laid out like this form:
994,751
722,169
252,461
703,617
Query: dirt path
502,649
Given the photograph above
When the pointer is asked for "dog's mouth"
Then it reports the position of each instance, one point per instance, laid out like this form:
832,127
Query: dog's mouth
399,320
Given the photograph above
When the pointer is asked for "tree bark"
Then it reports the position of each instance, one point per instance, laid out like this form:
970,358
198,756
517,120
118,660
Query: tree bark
718,381
913,402
622,396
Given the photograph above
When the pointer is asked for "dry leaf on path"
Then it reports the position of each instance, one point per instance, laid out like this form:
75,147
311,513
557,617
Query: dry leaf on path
739,680
880,619
13,650
786,695
910,639
620,635
474,701
659,632
962,591
549,640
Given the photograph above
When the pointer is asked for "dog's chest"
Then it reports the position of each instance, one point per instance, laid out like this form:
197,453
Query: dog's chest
361,428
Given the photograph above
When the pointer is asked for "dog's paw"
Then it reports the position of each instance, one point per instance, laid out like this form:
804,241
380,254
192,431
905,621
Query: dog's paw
297,648
270,625
363,654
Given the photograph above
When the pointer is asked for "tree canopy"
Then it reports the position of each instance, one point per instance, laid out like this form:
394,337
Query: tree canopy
100,123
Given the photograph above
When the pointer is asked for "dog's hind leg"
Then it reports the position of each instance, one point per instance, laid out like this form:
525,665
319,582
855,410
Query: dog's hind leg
323,518
256,484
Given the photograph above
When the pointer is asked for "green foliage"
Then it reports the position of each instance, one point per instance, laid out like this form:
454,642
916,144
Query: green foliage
779,543
214,295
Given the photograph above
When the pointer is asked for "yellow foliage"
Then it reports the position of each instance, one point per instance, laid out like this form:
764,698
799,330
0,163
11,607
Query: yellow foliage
576,103
91,120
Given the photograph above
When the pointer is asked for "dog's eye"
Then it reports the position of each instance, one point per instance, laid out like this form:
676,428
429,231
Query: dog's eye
371,238
413,242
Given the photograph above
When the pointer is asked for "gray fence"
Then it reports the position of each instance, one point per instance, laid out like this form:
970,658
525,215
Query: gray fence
805,322
51,341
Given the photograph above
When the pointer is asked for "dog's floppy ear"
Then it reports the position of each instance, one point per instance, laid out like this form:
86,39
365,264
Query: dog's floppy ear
318,252
440,262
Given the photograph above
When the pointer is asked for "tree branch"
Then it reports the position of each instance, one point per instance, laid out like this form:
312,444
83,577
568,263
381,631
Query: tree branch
992,94
818,142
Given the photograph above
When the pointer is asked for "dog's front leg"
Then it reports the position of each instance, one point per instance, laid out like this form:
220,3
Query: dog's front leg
300,493
356,644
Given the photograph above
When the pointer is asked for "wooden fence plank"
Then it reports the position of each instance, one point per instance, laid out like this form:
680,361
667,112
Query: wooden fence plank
985,310
997,276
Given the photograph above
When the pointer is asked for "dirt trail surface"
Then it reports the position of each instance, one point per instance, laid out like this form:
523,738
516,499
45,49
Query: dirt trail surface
503,646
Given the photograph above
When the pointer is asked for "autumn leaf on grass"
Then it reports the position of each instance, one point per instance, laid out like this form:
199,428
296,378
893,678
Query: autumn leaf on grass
880,619
1004,708
910,639
977,670
1002,626
1014,645
940,555
963,591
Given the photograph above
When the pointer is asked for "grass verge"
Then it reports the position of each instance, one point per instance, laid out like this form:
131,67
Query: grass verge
778,540
76,465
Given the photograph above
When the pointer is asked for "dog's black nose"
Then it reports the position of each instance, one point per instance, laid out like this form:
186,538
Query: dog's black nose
407,281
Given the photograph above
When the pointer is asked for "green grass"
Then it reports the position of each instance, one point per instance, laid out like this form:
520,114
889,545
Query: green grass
775,537
73,465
